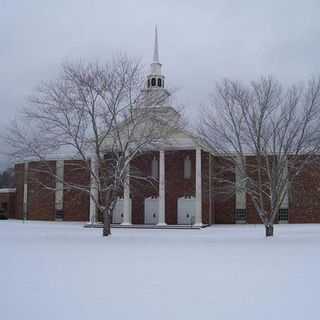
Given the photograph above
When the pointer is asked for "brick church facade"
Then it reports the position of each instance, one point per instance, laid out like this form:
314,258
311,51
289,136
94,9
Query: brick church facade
32,201
184,191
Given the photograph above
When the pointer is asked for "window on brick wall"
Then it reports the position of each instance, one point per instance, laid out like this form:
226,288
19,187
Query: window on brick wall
187,168
155,168
283,215
241,215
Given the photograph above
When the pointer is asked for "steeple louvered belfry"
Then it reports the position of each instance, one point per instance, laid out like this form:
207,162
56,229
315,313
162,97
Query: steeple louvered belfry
154,93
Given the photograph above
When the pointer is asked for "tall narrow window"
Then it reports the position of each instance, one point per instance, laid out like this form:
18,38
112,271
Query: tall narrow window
241,216
154,168
283,215
153,82
148,83
187,168
159,83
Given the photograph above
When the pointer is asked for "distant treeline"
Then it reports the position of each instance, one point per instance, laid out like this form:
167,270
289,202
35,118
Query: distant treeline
7,179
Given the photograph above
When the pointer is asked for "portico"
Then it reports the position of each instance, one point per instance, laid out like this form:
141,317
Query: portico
163,195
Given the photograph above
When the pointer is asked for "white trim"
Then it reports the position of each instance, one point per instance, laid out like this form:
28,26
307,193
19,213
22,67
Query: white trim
93,189
198,217
25,190
126,200
241,194
162,193
59,184
285,202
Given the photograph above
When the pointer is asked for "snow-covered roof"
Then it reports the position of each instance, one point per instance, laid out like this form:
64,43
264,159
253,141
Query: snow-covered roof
7,190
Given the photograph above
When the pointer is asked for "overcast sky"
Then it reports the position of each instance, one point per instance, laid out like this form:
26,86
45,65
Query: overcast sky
200,41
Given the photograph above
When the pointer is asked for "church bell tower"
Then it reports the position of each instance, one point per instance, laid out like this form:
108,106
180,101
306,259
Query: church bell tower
155,79
154,93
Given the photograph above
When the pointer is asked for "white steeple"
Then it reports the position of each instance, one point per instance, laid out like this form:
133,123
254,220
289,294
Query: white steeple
156,65
156,47
154,93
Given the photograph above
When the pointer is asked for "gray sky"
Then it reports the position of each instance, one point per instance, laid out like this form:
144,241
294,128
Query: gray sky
200,41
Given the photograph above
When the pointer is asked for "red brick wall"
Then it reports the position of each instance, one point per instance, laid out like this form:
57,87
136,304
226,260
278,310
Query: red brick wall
76,204
12,205
252,216
304,196
207,196
8,199
304,199
41,200
19,176
224,197
176,185
144,187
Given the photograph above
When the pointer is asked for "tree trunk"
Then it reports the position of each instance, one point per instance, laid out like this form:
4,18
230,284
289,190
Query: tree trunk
269,230
106,224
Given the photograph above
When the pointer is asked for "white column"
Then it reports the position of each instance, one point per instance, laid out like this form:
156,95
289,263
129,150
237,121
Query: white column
94,172
285,203
126,200
162,193
59,185
25,191
198,217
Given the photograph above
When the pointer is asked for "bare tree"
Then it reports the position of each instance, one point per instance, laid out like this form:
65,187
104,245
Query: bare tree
268,134
94,112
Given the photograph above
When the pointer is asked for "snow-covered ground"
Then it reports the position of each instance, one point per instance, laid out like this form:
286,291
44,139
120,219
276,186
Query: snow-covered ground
63,271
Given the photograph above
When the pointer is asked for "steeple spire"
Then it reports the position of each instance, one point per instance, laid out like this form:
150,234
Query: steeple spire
156,65
156,47
154,93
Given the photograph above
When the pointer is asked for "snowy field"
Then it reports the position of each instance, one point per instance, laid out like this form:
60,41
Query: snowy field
63,271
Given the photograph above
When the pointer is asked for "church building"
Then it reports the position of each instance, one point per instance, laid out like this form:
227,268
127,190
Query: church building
185,194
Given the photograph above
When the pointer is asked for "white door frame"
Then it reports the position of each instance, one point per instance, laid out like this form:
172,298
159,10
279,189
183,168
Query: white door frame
151,210
186,210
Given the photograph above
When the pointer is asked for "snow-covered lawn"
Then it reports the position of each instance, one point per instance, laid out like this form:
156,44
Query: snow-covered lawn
63,271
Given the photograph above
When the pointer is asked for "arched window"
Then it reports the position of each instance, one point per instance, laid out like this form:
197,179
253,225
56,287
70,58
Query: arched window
159,82
153,82
187,168
155,168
